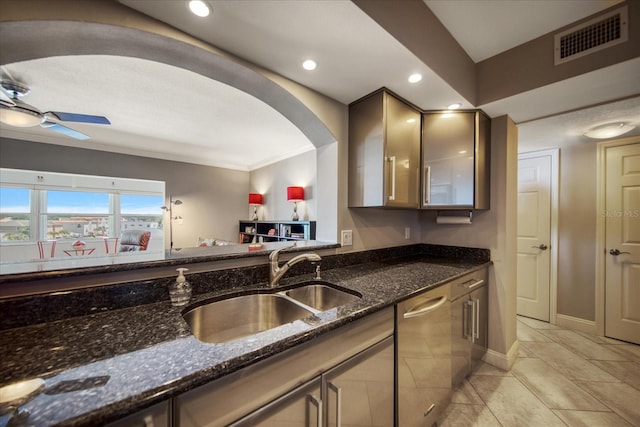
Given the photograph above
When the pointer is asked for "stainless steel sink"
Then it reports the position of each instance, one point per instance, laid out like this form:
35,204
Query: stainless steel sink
320,296
237,317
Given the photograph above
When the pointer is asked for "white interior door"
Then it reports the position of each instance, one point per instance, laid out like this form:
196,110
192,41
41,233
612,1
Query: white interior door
534,234
622,237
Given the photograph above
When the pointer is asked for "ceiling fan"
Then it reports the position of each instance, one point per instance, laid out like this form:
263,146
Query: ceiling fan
15,112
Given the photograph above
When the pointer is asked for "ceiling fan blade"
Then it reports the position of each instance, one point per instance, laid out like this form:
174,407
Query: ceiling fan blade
81,118
57,127
5,98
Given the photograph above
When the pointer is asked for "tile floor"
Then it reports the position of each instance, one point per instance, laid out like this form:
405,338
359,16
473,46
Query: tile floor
561,378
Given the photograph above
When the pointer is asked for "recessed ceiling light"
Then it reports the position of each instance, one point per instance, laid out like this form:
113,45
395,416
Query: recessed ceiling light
454,106
411,120
609,130
462,152
199,7
309,65
415,78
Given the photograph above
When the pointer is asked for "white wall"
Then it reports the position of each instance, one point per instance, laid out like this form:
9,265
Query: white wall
272,182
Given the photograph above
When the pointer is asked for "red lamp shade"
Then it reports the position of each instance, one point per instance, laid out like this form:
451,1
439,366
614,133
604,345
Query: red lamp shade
255,199
295,194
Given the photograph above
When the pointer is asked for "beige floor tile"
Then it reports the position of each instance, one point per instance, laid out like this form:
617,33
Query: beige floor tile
522,352
570,364
553,388
487,369
620,397
591,419
466,394
599,340
512,403
460,415
582,345
536,324
630,351
527,333
628,372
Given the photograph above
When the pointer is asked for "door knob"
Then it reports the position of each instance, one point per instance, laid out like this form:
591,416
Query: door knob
542,247
616,252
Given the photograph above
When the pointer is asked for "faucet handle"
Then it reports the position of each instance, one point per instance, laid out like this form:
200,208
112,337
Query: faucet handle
317,271
273,256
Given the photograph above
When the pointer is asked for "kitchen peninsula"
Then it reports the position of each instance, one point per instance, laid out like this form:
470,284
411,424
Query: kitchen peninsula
146,354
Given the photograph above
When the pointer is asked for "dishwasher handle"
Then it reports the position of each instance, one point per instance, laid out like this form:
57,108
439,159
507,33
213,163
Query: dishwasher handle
419,310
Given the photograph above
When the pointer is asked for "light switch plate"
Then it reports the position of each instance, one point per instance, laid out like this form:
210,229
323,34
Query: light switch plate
347,238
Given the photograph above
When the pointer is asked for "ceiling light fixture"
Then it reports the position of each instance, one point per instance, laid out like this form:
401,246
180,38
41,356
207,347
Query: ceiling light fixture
199,8
454,106
19,117
609,130
415,78
309,65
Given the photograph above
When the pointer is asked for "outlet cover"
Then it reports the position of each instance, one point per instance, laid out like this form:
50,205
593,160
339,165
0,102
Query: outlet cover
347,238
407,233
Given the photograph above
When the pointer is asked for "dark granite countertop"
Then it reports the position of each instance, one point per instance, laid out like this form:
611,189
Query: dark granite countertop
101,367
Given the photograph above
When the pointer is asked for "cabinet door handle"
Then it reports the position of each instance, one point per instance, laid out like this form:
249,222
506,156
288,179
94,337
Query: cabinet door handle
338,392
419,310
469,323
392,159
473,283
476,330
426,185
318,404
429,409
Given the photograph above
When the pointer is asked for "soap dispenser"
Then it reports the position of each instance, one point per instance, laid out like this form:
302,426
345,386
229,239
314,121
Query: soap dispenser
180,291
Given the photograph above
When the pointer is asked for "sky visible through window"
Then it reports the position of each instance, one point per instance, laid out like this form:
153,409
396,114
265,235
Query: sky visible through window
16,200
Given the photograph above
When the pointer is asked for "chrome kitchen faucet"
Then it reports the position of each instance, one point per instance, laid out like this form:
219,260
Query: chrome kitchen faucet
276,272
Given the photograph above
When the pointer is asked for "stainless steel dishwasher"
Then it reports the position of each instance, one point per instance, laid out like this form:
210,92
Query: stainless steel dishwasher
423,326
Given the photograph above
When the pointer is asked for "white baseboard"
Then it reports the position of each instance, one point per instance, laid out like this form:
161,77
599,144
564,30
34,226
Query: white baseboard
503,361
582,325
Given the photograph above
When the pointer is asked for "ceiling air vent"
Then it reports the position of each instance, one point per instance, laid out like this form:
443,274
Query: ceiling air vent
599,33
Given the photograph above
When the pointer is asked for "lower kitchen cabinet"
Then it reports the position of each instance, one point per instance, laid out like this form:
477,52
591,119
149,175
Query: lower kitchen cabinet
469,320
155,416
360,391
357,392
346,374
300,407
423,328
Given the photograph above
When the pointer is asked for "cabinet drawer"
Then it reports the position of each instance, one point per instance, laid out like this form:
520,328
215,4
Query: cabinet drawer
469,282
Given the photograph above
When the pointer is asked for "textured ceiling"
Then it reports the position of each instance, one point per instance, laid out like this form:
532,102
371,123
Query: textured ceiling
161,111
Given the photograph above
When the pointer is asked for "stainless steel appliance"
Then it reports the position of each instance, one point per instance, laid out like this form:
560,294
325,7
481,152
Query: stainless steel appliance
423,327
469,318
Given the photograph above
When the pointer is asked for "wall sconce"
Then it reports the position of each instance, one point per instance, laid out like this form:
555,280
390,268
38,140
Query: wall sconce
295,195
255,200
171,218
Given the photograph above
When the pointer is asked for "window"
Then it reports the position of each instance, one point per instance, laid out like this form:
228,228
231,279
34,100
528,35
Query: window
15,214
42,215
77,214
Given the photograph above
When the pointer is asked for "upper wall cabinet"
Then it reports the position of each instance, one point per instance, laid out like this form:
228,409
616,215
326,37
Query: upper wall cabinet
384,152
455,160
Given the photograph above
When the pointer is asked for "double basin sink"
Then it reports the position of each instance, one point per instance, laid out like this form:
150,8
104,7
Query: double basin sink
241,316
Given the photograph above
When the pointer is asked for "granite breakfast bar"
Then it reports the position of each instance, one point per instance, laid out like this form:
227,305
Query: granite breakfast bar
100,367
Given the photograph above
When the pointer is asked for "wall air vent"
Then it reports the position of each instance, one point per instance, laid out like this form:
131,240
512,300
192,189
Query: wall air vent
596,34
